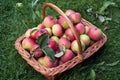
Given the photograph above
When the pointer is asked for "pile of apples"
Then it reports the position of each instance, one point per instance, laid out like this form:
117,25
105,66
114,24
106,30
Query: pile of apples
60,35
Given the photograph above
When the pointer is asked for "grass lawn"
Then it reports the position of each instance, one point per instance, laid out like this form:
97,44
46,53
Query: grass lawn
15,20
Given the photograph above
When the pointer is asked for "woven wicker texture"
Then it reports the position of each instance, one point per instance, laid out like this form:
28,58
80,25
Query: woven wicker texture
52,73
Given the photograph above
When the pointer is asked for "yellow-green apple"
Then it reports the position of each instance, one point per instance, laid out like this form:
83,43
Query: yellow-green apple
64,42
80,28
36,51
69,34
52,44
28,32
95,33
75,17
27,43
63,22
74,46
49,21
55,38
69,12
64,35
57,30
67,56
85,38
49,30
86,29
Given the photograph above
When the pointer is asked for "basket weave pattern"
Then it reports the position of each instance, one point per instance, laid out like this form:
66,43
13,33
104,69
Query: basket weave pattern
52,73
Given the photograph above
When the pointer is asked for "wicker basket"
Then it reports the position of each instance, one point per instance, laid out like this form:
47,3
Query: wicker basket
52,73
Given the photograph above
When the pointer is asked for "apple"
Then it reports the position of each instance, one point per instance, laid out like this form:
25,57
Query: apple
28,32
75,17
47,62
85,38
80,28
35,34
74,46
41,26
52,44
69,12
49,21
64,42
95,34
55,63
63,22
86,29
36,51
69,34
57,30
49,31
67,56
27,43
55,38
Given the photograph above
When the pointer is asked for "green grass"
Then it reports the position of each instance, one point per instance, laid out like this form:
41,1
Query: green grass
14,21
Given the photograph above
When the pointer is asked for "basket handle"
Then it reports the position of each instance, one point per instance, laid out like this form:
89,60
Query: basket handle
67,20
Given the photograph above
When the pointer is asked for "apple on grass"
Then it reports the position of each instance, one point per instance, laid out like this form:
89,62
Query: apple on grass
57,30
27,43
49,21
85,38
95,33
67,56
74,46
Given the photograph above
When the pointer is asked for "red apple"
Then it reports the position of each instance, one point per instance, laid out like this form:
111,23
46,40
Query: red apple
67,56
64,42
27,43
35,34
41,26
74,46
80,28
55,38
69,12
57,30
49,21
69,34
85,38
36,51
95,34
63,22
52,44
75,17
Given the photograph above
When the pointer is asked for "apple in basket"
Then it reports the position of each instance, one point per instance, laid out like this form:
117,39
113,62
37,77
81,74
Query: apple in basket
55,38
27,43
36,51
47,62
95,33
64,42
52,44
49,21
69,34
57,30
80,28
74,46
49,31
85,38
68,55
75,17
63,22
40,26
69,12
